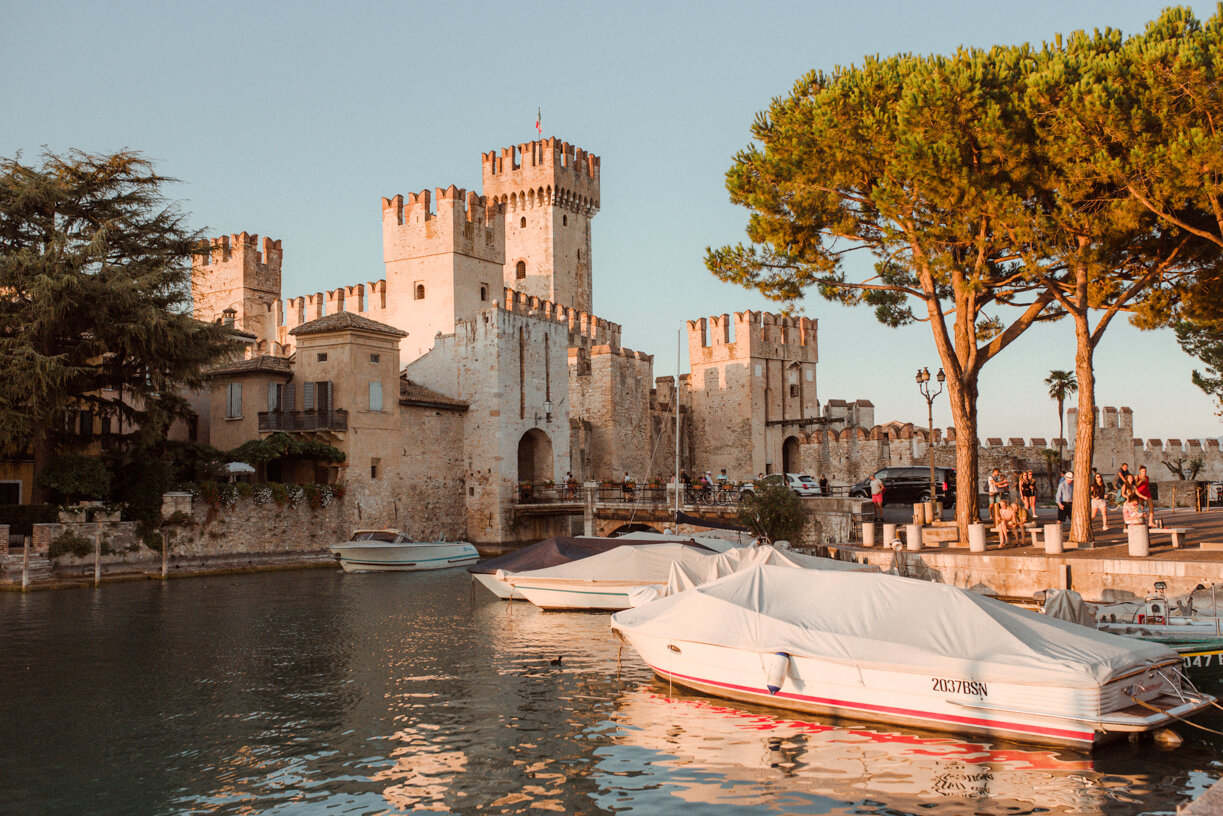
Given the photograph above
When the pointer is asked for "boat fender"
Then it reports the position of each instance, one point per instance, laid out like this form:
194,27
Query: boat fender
1167,738
776,665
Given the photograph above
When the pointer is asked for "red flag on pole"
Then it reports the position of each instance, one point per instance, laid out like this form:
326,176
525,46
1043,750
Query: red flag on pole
539,121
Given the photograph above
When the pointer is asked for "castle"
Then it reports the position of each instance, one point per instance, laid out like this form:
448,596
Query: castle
477,363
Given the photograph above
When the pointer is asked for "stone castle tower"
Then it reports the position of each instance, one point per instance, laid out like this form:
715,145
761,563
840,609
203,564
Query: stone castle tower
753,391
549,192
236,282
443,265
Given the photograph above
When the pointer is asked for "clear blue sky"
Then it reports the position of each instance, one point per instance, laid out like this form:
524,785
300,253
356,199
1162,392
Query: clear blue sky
293,120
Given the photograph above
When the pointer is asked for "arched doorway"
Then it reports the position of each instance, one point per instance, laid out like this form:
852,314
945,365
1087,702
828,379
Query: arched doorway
791,459
535,457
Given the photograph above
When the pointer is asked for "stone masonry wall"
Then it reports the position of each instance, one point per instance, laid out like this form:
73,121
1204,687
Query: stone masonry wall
251,528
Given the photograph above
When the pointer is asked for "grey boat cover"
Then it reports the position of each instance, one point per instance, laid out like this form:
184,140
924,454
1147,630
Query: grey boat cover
553,551
891,623
1068,605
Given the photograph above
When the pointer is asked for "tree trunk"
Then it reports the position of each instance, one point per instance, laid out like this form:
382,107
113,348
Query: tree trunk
1061,431
963,396
1085,430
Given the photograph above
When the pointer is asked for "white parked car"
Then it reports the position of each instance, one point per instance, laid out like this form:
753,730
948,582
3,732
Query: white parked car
801,483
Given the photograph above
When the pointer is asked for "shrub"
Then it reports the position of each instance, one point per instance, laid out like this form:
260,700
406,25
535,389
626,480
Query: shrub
772,510
69,543
280,493
74,477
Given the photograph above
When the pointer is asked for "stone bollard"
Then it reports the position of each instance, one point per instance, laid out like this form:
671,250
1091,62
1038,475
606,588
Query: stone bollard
1053,539
889,533
913,534
976,537
868,534
1139,540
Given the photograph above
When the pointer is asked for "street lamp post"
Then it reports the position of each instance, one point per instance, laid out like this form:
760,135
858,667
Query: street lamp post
923,385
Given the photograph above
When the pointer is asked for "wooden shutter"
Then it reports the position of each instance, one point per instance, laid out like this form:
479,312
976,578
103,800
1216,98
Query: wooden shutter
308,396
289,397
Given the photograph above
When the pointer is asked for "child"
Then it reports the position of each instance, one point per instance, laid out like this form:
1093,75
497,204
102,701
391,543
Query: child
1006,520
1133,511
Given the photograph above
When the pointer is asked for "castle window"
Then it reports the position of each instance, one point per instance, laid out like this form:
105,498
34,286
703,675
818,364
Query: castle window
483,292
276,393
233,400
810,375
794,390
564,220
419,293
322,357
375,396
375,358
579,254
522,222
520,271
373,467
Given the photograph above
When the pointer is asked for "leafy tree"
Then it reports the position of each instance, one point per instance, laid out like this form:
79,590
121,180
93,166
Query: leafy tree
73,477
1117,255
1061,385
95,276
924,163
772,510
281,445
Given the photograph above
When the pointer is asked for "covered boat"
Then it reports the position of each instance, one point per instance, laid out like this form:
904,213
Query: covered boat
550,552
891,649
393,551
601,581
686,575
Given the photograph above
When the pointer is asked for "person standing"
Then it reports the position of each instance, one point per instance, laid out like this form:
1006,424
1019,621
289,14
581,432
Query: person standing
1142,486
877,496
823,485
626,488
1027,493
1099,492
997,488
1064,496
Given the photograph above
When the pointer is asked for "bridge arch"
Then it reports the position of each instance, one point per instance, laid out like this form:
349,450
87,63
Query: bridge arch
535,457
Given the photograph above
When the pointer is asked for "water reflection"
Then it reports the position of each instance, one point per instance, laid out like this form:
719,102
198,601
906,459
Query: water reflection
313,692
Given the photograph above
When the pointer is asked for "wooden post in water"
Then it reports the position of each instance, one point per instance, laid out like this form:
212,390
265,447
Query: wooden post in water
165,556
25,563
97,559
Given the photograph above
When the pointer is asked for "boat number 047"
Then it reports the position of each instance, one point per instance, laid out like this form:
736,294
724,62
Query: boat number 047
1198,661
949,686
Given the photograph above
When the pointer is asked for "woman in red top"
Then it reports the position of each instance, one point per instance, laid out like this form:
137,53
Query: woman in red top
1142,486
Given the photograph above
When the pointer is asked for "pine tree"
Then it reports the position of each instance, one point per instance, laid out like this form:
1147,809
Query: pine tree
94,299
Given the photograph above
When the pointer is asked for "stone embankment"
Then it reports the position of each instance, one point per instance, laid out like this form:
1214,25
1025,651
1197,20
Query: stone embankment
243,536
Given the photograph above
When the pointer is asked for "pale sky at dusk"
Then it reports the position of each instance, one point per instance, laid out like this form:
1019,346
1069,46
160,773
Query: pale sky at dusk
293,121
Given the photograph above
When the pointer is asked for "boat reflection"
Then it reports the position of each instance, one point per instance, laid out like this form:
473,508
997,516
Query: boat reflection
705,751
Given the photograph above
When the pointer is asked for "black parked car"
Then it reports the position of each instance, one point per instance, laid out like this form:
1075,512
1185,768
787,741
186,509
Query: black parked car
906,485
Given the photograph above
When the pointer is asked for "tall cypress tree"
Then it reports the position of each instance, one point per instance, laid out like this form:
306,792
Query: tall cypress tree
94,302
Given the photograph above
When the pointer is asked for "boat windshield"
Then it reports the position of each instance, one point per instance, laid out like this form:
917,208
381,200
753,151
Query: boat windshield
388,536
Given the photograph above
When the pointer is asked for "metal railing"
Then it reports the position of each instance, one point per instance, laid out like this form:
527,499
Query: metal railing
303,421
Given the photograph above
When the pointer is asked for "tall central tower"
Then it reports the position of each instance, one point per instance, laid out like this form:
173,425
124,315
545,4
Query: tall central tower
549,191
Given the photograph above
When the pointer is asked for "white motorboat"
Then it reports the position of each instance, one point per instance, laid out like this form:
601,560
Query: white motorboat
547,553
601,581
897,650
392,551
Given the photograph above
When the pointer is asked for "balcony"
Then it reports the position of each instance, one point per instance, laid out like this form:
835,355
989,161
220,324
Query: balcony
303,421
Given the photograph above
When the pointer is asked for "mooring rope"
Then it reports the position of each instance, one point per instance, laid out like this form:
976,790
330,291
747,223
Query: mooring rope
1174,716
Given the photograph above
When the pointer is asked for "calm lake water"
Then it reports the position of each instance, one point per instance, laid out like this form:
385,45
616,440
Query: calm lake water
317,692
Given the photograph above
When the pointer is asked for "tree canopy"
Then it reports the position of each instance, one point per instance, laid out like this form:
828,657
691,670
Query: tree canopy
991,189
94,290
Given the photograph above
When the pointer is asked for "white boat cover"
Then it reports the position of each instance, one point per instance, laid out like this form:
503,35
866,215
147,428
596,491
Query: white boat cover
891,623
636,563
715,543
685,575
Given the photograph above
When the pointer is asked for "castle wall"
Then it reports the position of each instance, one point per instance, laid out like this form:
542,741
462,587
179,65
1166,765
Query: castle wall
549,190
609,388
506,366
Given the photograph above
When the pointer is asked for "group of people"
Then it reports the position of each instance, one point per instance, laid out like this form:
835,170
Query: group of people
1009,517
1132,490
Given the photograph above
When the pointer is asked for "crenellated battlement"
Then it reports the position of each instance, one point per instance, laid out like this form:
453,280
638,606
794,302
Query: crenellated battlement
585,329
234,275
753,334
446,220
545,171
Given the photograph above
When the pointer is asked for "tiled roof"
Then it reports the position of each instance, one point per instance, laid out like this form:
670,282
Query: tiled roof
412,394
345,321
256,365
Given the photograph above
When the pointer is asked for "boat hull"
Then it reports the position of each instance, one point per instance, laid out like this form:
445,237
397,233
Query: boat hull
609,596
496,586
1032,714
414,557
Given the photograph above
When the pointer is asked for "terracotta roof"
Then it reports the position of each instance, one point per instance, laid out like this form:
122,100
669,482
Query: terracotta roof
412,394
345,321
264,364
